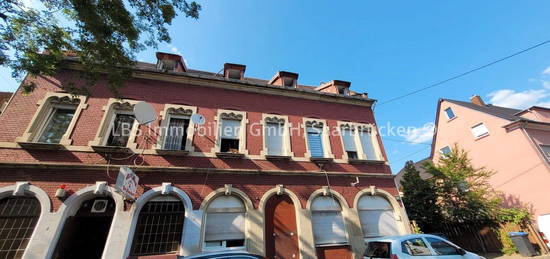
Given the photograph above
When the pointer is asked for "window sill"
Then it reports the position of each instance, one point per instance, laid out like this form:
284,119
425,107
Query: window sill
321,159
42,146
482,136
366,161
171,152
229,155
277,158
451,119
335,244
111,149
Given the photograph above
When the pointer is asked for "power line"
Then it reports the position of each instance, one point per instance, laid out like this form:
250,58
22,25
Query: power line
465,73
409,155
405,141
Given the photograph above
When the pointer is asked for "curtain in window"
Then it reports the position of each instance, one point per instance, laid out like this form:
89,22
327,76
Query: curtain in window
230,129
315,142
274,139
327,220
120,133
368,145
348,138
176,134
377,216
56,125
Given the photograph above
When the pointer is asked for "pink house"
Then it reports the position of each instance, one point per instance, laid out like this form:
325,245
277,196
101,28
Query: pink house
514,143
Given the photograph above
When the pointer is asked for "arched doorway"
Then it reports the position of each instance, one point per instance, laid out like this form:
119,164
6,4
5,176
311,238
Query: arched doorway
18,217
280,228
85,233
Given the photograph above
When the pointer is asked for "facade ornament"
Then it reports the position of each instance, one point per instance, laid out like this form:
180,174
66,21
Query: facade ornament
326,191
367,129
231,116
275,120
315,124
180,111
166,188
20,188
125,106
227,189
100,188
280,189
372,190
347,126
64,100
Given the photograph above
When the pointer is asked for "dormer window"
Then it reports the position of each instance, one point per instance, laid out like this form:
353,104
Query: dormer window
335,87
283,78
234,71
343,90
170,62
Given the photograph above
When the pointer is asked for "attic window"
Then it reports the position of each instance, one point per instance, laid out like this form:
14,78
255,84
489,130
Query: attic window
289,82
166,64
234,74
343,90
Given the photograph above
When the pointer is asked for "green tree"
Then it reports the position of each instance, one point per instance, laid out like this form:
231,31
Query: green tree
419,198
463,191
104,34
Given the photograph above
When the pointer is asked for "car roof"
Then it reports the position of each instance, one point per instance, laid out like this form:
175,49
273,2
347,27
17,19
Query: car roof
400,238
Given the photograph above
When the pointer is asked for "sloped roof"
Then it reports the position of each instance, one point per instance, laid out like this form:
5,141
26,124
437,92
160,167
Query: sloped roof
498,111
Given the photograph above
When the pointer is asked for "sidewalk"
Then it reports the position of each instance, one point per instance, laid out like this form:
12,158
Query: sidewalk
516,256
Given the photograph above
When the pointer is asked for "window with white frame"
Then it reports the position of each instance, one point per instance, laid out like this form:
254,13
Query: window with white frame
445,150
274,136
159,227
348,138
225,223
315,138
230,132
368,143
377,216
327,220
120,129
479,130
19,216
450,113
176,132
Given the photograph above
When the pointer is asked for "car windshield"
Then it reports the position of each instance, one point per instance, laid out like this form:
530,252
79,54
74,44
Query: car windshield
378,250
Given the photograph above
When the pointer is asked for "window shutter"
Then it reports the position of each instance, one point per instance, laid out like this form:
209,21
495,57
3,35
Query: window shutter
175,133
368,145
328,227
348,137
315,142
224,226
230,129
274,139
376,216
479,130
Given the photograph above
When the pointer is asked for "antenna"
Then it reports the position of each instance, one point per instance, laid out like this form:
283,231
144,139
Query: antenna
144,113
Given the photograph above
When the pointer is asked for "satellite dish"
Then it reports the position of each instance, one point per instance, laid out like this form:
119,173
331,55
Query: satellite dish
197,119
144,113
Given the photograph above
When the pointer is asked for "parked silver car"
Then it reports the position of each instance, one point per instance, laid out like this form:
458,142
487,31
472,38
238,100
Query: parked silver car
224,255
416,246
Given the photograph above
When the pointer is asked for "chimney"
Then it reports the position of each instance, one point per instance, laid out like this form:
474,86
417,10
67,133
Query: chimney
476,99
234,71
335,87
170,62
284,78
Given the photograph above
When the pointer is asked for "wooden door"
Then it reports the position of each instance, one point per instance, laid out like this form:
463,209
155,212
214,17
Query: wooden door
280,228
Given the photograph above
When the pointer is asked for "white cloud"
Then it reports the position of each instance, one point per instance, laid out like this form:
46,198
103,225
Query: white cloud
420,135
519,100
546,71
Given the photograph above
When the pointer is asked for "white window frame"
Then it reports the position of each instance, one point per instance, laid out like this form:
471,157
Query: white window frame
444,154
178,112
223,247
231,114
49,117
357,128
113,107
481,124
327,149
46,106
393,210
447,114
342,218
287,148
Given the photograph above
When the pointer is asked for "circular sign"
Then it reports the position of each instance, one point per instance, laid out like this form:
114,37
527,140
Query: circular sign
144,113
198,119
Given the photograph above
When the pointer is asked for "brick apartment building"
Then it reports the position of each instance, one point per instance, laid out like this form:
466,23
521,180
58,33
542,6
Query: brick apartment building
315,189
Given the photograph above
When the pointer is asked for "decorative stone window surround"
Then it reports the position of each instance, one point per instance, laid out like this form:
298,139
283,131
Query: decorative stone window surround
327,150
174,110
283,119
45,108
231,114
357,127
113,107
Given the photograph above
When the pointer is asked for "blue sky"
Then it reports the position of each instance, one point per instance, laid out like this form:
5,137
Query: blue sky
385,48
